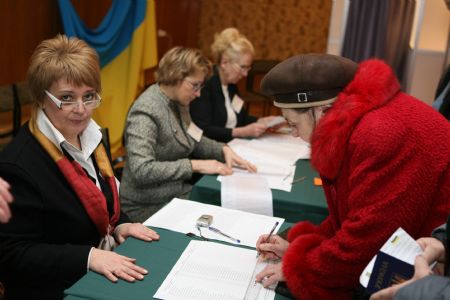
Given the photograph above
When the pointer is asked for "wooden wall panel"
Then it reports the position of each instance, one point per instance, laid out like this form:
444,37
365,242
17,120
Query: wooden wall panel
277,28
23,24
180,20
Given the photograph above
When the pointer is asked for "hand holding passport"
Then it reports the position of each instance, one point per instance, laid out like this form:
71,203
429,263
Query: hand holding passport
393,264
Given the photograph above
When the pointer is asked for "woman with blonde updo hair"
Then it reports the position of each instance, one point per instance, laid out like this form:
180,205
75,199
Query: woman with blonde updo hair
218,110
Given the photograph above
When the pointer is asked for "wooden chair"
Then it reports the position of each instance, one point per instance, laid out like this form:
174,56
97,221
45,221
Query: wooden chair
10,104
117,163
253,94
13,97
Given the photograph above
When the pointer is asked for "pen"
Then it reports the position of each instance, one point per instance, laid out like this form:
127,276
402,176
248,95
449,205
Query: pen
213,229
298,179
287,176
270,234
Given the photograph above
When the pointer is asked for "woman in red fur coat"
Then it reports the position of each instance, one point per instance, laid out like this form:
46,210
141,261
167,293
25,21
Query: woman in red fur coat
384,159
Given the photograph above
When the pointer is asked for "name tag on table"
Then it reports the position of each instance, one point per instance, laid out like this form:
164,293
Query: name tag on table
195,132
237,103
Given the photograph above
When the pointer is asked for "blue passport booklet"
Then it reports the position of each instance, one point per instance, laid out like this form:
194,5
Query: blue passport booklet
387,271
393,263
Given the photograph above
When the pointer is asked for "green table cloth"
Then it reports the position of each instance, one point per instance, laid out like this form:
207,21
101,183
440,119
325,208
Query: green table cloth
306,201
157,257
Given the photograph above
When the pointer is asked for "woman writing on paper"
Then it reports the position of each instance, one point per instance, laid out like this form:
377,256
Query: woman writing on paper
219,109
164,147
65,194
384,159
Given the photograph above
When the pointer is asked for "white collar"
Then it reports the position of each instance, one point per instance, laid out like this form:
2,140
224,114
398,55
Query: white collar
89,138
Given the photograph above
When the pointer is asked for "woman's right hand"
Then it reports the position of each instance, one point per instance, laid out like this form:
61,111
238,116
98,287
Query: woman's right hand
114,266
433,249
5,199
210,166
251,130
271,249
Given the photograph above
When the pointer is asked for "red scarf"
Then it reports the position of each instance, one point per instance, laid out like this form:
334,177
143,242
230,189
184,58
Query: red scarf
92,198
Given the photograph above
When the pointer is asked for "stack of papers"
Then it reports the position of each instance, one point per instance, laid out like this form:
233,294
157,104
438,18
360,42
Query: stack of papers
181,216
275,121
275,156
247,192
208,270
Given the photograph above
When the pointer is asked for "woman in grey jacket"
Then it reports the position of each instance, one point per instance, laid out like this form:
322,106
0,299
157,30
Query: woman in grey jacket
164,147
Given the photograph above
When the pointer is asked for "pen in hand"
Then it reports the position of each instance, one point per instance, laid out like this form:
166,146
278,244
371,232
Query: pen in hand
270,234
213,229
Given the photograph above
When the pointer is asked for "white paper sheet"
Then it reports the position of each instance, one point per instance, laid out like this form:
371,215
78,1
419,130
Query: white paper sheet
209,270
275,121
275,155
247,192
302,148
401,246
181,216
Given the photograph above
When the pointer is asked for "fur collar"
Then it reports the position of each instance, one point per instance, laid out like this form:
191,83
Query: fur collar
374,84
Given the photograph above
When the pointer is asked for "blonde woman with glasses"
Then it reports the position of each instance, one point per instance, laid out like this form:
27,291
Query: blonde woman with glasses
164,147
66,210
219,109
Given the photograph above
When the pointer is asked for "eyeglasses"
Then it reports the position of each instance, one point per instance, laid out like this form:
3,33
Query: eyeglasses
90,101
196,86
243,67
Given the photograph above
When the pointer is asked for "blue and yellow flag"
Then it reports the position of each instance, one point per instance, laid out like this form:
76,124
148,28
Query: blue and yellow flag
126,43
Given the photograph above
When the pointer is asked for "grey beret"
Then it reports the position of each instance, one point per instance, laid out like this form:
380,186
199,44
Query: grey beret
308,80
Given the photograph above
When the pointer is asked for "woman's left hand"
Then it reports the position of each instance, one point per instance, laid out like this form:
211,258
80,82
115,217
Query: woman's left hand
421,269
232,159
271,274
137,230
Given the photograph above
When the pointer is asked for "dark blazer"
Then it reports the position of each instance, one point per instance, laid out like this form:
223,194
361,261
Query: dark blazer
44,248
209,113
445,107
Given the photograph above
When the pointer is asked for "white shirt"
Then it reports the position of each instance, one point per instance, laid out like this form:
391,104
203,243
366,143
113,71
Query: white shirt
89,140
231,115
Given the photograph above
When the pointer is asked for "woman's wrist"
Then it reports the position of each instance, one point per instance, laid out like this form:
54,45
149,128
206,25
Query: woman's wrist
237,132
195,166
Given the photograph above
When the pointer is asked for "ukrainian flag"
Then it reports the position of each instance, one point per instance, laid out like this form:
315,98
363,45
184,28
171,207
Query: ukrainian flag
126,43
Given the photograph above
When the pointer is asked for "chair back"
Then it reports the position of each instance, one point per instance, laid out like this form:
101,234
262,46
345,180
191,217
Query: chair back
254,77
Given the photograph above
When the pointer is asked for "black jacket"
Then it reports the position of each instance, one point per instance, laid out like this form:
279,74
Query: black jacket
44,248
209,113
445,107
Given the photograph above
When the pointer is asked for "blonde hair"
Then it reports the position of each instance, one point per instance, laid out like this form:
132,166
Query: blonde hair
62,58
180,62
230,42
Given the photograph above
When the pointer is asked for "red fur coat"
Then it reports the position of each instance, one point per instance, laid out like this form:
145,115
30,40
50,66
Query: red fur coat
384,158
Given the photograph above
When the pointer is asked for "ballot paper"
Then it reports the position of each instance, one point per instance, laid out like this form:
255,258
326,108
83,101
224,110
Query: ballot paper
275,121
207,270
181,216
275,156
247,192
394,262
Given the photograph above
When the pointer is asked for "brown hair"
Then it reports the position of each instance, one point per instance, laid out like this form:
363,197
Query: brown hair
180,62
62,58
230,42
